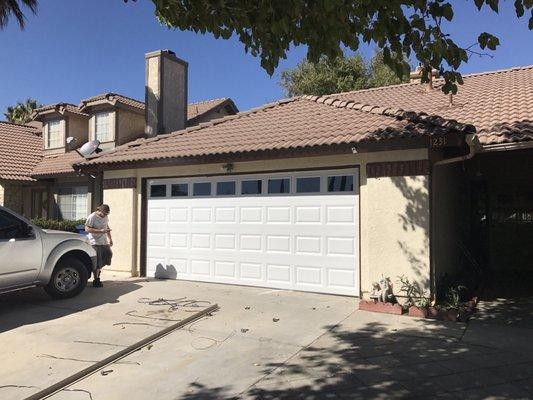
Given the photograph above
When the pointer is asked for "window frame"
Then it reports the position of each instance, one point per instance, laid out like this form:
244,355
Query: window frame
235,186
59,139
314,176
75,196
257,179
280,178
352,190
109,134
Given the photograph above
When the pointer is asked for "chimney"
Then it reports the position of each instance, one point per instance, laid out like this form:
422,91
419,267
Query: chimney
416,76
165,93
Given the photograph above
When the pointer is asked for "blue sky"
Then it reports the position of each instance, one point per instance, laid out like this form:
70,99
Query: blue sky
76,49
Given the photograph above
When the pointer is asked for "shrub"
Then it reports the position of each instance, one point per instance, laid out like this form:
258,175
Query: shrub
65,225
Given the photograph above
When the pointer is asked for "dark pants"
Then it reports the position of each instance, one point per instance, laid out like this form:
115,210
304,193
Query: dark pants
103,255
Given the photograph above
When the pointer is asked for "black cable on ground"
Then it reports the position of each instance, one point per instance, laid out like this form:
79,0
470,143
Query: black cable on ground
59,386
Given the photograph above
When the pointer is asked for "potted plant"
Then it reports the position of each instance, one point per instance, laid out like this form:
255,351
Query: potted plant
452,306
417,302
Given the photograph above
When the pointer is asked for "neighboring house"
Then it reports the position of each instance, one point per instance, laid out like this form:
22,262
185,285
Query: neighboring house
328,194
110,118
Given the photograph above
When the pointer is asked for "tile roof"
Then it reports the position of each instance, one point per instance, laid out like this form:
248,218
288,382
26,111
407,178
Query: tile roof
20,151
57,164
61,108
499,103
199,108
62,163
193,109
113,98
288,124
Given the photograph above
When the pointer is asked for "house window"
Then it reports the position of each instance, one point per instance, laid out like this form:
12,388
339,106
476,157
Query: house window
251,187
53,139
282,185
342,183
158,191
201,189
102,130
179,190
308,185
72,202
226,188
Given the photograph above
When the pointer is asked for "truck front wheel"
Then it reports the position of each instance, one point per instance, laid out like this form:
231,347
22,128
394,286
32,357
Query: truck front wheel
68,279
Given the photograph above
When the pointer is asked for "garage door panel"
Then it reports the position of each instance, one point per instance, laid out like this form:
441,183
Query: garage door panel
291,241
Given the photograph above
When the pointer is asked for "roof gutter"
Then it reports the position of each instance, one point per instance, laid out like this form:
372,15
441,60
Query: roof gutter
472,142
507,146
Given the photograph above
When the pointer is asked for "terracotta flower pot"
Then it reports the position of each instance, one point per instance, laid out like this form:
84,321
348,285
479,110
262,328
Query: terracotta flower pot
448,315
420,312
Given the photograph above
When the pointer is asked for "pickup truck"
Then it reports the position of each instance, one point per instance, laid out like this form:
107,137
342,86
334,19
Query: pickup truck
60,262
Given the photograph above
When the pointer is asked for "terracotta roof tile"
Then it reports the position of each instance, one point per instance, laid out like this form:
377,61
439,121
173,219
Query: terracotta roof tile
61,108
113,98
56,164
499,103
293,123
20,151
62,163
196,109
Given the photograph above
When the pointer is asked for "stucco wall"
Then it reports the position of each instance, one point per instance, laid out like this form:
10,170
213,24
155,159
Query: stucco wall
394,212
130,125
122,203
78,128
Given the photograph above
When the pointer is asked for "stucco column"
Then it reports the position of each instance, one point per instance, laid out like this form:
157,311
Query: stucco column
123,223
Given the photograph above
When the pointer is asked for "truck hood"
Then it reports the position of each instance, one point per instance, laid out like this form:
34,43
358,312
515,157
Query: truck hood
51,234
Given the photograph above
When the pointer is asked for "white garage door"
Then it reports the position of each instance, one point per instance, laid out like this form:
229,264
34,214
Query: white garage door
295,230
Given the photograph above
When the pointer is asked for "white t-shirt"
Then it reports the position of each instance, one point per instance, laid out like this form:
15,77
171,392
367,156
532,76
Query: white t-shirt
97,222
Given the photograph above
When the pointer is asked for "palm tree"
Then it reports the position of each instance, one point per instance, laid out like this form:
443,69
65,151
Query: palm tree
21,113
8,7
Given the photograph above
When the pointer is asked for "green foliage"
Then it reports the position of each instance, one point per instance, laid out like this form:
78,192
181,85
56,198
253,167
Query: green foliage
453,296
12,7
268,29
21,113
341,74
65,225
416,296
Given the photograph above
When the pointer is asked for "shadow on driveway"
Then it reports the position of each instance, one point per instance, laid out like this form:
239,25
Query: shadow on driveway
373,360
34,305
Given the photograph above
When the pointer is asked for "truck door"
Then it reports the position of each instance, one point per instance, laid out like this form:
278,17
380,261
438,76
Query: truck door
20,251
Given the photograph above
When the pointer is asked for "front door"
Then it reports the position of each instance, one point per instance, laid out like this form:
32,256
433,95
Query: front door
20,252
39,207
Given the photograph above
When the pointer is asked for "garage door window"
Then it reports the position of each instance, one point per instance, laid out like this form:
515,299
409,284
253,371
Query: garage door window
276,186
308,185
251,187
341,183
179,189
202,189
225,188
158,191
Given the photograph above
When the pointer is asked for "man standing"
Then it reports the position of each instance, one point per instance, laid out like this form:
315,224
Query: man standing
99,235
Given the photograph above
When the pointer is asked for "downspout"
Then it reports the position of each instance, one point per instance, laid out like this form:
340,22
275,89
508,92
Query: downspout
471,141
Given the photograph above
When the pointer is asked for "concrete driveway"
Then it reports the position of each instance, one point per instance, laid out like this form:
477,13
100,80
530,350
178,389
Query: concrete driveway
261,344
44,341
